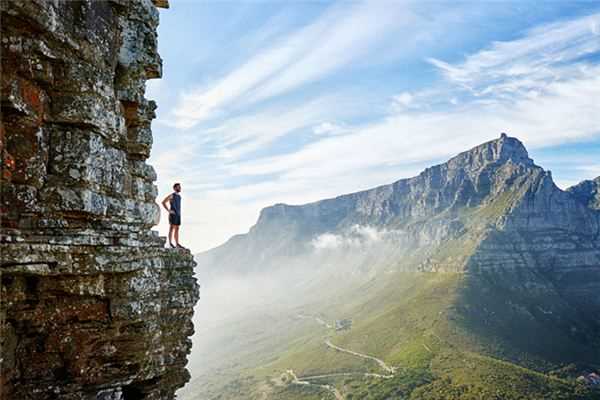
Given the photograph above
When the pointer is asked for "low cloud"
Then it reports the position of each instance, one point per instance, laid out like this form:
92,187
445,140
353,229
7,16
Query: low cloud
355,237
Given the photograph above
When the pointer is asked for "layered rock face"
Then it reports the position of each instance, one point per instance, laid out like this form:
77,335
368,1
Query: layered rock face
450,217
526,254
92,305
553,233
588,192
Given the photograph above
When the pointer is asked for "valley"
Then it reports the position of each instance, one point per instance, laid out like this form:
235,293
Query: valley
476,279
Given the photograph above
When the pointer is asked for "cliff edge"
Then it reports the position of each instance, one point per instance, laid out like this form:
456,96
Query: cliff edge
91,305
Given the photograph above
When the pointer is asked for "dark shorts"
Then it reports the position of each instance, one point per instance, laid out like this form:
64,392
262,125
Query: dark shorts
174,219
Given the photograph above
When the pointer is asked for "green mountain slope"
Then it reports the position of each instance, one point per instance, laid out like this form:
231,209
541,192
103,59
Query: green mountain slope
478,279
449,336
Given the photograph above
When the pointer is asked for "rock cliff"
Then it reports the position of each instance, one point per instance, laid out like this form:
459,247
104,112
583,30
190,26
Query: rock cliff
481,255
588,192
450,217
92,306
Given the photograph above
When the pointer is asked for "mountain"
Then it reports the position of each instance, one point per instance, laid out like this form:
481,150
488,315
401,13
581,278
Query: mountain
478,278
475,197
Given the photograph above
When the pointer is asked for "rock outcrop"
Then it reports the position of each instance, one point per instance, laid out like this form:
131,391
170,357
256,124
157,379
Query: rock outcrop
588,192
92,306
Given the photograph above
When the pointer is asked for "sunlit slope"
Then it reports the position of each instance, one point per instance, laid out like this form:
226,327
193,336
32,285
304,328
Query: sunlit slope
506,326
506,334
457,336
482,282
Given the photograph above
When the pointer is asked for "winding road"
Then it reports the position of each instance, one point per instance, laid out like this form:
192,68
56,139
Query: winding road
381,363
305,380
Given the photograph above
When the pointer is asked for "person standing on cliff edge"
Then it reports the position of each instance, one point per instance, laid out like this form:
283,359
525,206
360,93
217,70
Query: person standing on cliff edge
174,210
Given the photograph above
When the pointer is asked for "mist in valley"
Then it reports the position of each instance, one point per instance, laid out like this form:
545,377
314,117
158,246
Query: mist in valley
242,318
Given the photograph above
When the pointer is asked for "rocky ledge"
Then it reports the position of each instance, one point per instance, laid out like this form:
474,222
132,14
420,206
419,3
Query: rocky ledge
91,305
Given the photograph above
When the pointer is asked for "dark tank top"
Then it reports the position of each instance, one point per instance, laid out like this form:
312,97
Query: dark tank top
176,203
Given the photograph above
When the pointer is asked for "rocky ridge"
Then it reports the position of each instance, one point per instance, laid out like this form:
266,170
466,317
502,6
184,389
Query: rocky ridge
441,217
588,192
513,260
92,306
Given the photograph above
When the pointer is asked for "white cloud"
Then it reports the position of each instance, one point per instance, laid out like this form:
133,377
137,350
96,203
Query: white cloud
241,135
355,237
341,35
541,56
200,103
327,241
349,35
402,100
328,128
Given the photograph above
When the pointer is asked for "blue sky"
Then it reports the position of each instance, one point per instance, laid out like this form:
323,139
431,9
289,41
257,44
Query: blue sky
265,102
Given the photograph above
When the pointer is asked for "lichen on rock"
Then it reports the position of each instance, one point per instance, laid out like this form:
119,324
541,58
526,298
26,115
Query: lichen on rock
92,306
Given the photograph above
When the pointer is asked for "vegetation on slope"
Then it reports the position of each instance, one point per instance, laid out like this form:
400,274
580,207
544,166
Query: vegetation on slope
485,334
447,341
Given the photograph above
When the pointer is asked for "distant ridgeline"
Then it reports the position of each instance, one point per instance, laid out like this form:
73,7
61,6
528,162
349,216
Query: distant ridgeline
481,261
91,305
489,207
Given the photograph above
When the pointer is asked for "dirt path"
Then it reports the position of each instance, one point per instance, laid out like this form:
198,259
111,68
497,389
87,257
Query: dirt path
305,380
331,389
369,374
381,363
319,320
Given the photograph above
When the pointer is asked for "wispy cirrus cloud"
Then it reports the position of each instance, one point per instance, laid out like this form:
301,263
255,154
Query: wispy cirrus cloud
239,136
549,112
342,34
564,113
350,36
544,54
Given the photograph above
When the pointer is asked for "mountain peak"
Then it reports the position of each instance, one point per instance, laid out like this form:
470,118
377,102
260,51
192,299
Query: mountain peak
497,151
492,186
512,148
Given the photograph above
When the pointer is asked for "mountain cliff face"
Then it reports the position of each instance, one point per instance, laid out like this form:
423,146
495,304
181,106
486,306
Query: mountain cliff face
588,192
474,279
491,190
489,213
92,306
